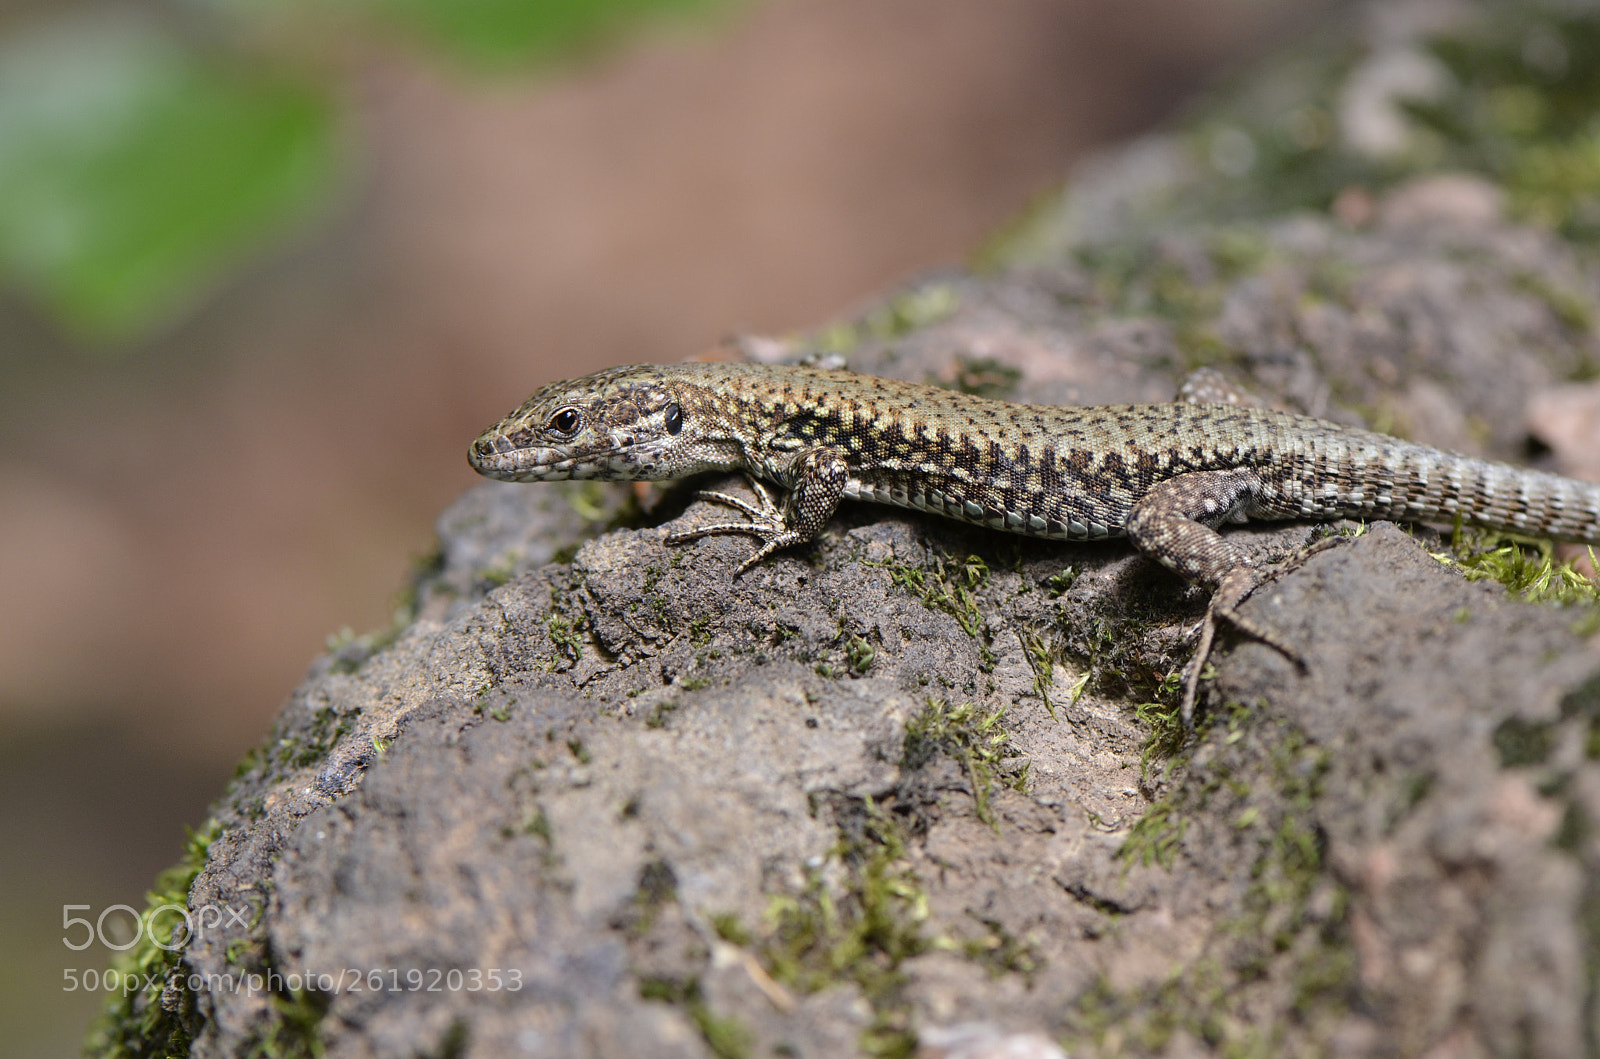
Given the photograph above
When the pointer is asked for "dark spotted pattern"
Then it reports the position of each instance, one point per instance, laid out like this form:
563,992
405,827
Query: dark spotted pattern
1073,473
1042,471
1164,475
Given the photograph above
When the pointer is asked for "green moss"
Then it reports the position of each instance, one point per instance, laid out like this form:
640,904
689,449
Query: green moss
665,989
312,746
1292,924
1144,1021
1519,107
1584,701
1164,719
1142,280
858,930
1523,742
1059,584
1118,651
590,500
915,309
1016,239
1155,838
657,886
840,338
1524,566
730,929
1158,835
494,576
949,585
1001,952
860,654
455,1041
1289,870
863,934
566,635
974,739
902,314
294,1031
1574,831
1236,251
161,1019
536,822
726,1036
1553,184
1042,660
158,1019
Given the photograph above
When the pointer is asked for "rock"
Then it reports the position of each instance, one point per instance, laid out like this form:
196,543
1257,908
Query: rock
920,785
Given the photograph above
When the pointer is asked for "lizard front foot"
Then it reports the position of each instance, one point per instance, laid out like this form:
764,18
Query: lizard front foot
766,524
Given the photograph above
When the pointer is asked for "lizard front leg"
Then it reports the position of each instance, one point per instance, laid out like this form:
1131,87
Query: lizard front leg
1174,524
820,476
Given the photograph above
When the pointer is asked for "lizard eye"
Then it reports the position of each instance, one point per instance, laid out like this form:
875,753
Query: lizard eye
566,422
674,419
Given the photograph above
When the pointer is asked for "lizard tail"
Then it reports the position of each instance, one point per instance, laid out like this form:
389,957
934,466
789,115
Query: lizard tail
1423,482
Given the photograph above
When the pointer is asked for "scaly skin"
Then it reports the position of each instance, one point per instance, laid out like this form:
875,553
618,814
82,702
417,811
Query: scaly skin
1163,475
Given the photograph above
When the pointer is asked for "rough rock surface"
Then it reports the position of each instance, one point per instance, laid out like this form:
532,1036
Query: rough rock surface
918,786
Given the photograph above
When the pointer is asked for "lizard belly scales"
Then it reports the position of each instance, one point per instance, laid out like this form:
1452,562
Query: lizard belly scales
1164,475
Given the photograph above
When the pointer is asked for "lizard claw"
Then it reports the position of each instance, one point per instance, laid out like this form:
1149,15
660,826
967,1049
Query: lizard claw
766,523
1235,588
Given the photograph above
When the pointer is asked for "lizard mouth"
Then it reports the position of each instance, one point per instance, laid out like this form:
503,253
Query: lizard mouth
504,458
498,457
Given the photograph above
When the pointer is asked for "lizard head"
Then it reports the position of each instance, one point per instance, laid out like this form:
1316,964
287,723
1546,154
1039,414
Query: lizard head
617,424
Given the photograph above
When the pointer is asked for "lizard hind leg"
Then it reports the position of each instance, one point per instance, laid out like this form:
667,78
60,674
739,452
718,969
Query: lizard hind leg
1173,524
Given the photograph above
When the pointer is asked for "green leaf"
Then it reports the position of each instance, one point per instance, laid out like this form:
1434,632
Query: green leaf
511,33
133,172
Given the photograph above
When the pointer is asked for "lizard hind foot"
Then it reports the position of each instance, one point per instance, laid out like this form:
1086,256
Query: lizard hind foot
1236,587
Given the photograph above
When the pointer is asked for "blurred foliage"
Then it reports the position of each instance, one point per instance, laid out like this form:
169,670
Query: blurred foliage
495,34
131,170
146,153
1516,98
1507,89
1524,108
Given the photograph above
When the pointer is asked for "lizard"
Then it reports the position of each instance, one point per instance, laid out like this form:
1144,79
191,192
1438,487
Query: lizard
1165,476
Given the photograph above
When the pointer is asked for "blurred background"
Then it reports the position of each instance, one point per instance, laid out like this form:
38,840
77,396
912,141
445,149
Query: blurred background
267,266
